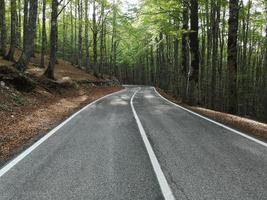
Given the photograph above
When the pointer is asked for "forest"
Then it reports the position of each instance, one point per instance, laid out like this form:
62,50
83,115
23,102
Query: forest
210,53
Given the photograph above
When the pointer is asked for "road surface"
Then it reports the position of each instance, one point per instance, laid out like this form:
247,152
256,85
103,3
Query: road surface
100,154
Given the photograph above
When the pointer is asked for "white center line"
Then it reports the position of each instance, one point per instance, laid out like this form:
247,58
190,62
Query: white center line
164,186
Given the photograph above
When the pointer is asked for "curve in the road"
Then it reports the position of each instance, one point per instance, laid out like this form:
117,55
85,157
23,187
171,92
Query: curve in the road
200,159
17,159
96,154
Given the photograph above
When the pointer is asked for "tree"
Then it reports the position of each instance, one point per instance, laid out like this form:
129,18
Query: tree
80,38
100,66
3,28
232,55
49,73
264,87
18,24
215,19
113,53
185,27
86,37
43,35
185,47
25,22
65,33
29,37
11,52
95,33
194,49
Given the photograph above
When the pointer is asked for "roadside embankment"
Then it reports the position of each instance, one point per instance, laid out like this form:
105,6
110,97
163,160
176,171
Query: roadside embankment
248,126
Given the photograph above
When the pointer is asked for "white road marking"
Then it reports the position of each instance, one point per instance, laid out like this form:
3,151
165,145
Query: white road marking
15,161
210,120
164,186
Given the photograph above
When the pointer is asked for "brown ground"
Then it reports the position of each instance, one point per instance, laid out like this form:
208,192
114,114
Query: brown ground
248,126
63,69
24,117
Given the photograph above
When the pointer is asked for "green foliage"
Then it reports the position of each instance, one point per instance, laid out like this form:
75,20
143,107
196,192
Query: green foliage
146,42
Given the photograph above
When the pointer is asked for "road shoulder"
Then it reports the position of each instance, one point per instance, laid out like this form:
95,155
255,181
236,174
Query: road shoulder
248,126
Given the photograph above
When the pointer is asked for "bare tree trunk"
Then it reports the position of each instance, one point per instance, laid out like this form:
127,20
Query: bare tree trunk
232,55
80,14
185,50
95,34
215,17
3,28
244,80
13,41
176,70
30,34
75,34
18,24
163,83
42,64
101,38
265,75
203,65
64,34
72,34
105,48
113,39
86,39
194,51
25,22
49,73
221,71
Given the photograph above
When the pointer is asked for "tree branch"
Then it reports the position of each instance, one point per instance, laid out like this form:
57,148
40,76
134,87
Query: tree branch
62,7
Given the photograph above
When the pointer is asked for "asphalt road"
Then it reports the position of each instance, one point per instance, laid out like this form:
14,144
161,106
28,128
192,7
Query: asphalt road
99,154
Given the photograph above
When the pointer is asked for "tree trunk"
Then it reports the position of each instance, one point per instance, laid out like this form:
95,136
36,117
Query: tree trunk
105,47
176,66
18,24
75,34
265,76
86,39
64,34
95,33
42,64
3,28
29,37
215,18
101,38
25,22
221,62
194,51
49,73
113,39
72,34
11,52
185,50
244,80
163,76
80,14
232,55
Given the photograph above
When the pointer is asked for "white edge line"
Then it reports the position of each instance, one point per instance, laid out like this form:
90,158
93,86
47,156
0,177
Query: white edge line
12,163
164,186
217,123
